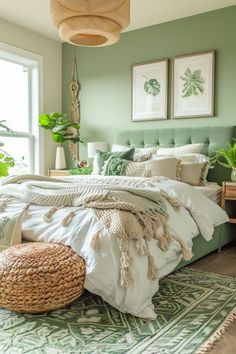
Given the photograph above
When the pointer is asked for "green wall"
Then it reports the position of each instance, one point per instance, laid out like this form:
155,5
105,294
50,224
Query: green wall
105,73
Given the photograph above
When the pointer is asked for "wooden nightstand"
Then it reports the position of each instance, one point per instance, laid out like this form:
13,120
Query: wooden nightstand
228,200
58,173
228,203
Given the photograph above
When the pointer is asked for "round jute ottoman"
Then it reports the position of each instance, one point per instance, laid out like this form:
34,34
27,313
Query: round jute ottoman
38,277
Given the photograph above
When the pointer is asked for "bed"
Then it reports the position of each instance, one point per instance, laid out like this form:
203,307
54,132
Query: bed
212,138
129,230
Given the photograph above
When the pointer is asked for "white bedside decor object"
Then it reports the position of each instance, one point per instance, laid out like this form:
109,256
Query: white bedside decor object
94,146
60,163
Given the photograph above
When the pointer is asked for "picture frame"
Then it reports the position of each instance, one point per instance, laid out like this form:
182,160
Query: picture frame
149,90
193,85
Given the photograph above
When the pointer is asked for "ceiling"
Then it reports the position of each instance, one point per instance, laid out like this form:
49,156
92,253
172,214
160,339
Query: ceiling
35,15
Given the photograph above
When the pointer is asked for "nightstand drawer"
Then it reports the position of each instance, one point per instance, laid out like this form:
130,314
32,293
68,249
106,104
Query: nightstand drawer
230,192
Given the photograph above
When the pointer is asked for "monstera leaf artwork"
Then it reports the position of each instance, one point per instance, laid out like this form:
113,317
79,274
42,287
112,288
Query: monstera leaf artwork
149,90
193,83
152,86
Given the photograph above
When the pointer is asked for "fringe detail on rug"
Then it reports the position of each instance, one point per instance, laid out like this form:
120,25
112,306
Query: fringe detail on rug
217,335
95,243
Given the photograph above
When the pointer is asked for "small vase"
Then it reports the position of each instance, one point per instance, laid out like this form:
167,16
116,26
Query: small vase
60,163
233,175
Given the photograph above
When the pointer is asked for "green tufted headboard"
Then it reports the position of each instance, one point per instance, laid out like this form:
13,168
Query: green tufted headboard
213,139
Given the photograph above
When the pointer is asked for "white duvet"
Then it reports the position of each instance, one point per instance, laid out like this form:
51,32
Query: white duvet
199,215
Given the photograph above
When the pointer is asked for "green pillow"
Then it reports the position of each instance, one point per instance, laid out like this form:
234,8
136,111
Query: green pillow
115,166
102,156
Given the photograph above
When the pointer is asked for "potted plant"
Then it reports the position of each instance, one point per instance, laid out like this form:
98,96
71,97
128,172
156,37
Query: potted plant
228,155
62,130
6,161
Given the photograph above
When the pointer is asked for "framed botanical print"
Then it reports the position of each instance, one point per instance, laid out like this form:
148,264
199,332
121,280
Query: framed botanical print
149,90
193,85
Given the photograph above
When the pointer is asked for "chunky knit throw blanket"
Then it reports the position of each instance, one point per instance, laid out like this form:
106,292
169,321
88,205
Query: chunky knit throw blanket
128,213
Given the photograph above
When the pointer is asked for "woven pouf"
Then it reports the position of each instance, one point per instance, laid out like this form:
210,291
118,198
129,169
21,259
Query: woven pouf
39,277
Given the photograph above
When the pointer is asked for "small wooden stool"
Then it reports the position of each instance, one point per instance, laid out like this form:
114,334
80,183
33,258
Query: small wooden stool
38,277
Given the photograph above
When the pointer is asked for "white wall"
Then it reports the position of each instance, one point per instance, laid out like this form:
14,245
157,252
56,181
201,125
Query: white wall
51,52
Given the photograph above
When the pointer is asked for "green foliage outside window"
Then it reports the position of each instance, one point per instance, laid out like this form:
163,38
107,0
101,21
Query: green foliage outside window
6,161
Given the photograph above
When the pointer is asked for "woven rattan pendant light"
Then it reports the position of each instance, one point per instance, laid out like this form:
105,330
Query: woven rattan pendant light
90,22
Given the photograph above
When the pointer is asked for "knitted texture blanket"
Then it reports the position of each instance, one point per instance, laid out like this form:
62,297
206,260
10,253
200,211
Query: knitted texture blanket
129,214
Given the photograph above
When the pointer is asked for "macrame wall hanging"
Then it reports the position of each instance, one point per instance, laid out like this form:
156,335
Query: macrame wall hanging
74,107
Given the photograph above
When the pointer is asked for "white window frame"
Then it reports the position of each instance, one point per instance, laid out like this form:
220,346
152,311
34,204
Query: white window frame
34,64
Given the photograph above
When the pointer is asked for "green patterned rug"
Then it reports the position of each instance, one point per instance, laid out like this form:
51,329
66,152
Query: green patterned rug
191,307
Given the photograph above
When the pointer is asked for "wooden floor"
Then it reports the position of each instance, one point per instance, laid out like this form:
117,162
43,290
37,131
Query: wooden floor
223,263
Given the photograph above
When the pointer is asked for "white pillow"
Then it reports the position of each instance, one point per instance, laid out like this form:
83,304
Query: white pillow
168,167
118,147
185,149
192,157
10,230
140,155
194,173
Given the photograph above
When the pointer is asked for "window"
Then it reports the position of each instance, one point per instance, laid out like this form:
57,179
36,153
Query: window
19,107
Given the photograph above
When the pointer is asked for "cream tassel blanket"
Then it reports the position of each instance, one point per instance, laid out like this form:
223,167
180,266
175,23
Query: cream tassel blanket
128,214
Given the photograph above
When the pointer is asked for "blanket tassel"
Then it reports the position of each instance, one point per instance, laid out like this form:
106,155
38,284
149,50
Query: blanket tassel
96,242
48,215
125,276
152,272
186,251
125,262
66,221
141,247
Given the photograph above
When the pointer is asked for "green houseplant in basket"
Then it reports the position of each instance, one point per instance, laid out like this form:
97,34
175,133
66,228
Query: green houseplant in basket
227,158
6,161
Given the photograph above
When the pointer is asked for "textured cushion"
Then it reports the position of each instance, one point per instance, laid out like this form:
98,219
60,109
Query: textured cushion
10,230
115,166
102,156
194,173
167,167
38,277
190,148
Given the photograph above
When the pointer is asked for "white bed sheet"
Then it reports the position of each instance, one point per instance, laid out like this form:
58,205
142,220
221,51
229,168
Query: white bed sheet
212,191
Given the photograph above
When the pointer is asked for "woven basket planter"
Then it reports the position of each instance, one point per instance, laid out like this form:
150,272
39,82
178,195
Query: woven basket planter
39,277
